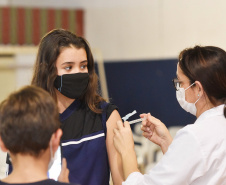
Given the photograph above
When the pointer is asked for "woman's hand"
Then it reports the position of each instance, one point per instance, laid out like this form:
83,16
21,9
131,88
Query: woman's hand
123,139
63,177
124,144
154,130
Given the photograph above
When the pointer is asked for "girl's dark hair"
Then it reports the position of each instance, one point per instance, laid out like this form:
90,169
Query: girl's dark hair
208,66
45,71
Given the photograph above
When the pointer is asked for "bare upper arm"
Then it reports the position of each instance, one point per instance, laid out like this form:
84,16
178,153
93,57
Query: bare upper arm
113,156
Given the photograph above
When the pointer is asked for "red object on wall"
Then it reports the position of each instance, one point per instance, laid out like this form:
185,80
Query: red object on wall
36,26
65,19
79,21
21,26
5,25
50,19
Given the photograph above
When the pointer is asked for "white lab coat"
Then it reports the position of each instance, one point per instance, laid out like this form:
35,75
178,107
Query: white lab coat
197,155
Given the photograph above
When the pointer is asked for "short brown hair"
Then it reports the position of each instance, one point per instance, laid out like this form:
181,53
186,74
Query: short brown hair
28,118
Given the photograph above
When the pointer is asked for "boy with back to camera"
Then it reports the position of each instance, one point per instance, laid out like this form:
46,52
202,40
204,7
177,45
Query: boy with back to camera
30,132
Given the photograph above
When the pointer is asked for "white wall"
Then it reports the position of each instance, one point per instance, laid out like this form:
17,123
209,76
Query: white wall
159,29
75,3
124,33
145,29
24,70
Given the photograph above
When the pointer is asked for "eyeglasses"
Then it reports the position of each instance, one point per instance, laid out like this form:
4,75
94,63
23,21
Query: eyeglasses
176,83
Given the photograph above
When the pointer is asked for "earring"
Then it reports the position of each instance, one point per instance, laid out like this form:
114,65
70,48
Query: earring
198,95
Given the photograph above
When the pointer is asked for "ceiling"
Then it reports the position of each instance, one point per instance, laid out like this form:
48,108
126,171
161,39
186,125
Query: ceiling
74,3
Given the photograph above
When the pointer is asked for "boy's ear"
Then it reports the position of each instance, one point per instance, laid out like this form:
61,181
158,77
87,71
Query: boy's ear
2,146
55,139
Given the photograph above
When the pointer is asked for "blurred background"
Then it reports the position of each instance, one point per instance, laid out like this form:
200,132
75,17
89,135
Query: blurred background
135,45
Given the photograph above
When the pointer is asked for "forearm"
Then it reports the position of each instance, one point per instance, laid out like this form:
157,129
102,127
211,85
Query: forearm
129,162
165,143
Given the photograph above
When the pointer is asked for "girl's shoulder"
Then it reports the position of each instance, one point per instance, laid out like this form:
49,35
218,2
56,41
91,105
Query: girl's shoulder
108,108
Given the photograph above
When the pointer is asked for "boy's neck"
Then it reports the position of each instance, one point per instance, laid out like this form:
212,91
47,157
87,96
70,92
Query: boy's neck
27,169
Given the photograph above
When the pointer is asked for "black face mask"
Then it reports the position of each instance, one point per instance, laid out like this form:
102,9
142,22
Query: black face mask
72,85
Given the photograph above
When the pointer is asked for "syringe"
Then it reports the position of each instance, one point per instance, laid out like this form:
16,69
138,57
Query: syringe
137,121
129,115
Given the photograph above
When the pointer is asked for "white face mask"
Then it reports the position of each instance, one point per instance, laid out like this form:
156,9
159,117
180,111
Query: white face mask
189,107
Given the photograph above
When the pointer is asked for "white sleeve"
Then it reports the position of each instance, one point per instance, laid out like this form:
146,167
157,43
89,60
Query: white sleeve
133,178
181,164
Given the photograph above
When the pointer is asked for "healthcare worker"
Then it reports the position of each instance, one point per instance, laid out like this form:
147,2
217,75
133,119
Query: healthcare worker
196,156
